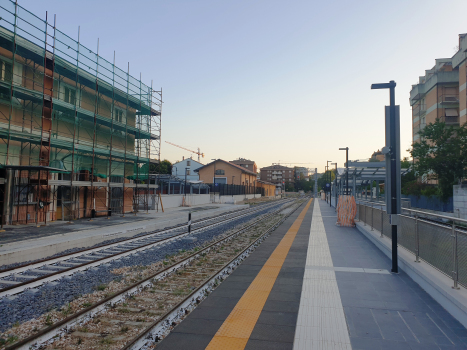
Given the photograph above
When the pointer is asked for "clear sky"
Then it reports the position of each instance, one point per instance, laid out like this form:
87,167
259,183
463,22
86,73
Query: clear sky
270,80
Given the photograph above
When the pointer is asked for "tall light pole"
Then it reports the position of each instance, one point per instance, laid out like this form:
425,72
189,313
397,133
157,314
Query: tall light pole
184,188
214,180
335,185
346,149
330,178
392,152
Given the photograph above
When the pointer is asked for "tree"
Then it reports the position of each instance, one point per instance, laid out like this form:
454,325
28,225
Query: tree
441,154
164,167
325,179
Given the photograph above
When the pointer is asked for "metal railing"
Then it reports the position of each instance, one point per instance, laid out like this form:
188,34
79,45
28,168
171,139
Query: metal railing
438,240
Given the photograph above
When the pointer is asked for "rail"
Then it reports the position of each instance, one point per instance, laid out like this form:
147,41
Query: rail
443,245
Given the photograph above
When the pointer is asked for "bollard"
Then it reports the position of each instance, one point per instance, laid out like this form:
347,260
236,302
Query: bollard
417,242
455,275
189,222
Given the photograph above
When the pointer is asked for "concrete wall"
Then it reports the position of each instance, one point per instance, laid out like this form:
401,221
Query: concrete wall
233,199
176,200
460,201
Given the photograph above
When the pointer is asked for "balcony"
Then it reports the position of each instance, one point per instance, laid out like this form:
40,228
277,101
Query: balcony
418,110
450,100
450,120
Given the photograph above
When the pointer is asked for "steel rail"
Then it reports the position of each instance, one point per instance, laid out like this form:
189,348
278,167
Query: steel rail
20,287
43,336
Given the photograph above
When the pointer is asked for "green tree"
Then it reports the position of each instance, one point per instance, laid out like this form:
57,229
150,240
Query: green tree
325,179
441,154
164,167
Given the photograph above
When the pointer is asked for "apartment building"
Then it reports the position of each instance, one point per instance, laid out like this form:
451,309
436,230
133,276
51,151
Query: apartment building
78,135
299,171
441,92
186,169
277,174
246,163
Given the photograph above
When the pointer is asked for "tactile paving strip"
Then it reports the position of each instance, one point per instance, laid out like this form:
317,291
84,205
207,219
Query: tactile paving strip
321,321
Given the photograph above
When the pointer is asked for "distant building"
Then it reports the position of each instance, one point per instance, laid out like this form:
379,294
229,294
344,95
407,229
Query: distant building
377,156
190,165
226,173
277,174
246,163
300,171
441,93
269,188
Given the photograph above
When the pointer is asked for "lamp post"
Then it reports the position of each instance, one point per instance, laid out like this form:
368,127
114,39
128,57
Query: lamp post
346,149
392,151
335,185
184,188
330,178
214,184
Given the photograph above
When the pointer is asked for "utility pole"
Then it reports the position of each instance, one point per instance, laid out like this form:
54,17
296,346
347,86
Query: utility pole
392,153
335,183
330,179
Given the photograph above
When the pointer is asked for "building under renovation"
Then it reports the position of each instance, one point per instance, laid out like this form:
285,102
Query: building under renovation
77,134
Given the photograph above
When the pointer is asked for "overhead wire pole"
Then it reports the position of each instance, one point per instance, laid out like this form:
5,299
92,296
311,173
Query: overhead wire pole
346,149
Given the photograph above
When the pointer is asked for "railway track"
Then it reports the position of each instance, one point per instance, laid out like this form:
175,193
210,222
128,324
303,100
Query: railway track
165,304
21,278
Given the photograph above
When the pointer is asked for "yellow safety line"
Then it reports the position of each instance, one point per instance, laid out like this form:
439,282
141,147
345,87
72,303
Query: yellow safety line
236,329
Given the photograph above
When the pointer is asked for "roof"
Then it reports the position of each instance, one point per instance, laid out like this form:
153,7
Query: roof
266,183
243,160
276,167
190,159
228,163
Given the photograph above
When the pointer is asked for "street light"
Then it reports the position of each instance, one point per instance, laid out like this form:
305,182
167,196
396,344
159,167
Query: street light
330,177
392,150
346,149
335,186
214,184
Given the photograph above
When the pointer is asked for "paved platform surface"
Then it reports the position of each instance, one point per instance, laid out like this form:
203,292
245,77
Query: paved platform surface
334,291
23,243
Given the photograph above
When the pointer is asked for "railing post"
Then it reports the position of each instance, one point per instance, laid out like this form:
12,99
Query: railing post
417,241
455,271
372,210
382,222
364,209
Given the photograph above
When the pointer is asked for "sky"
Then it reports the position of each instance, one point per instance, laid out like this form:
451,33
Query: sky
271,81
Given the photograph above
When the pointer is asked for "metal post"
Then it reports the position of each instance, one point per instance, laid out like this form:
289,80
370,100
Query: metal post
382,222
455,272
372,210
189,222
364,209
417,241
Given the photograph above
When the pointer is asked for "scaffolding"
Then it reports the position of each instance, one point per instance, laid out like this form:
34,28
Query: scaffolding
78,135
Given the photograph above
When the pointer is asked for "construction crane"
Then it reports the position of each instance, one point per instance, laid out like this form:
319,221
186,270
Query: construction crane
186,149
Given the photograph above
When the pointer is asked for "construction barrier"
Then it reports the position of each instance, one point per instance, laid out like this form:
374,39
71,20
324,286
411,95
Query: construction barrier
346,211
323,195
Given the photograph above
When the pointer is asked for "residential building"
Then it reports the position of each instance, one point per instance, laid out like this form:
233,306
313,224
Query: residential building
377,156
246,163
277,174
223,172
441,92
78,134
189,165
299,171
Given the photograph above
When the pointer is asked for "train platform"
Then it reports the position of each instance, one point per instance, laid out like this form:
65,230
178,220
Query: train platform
314,285
20,243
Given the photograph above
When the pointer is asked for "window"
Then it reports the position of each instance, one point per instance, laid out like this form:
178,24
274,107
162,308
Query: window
70,95
119,115
246,165
188,172
6,71
188,163
220,172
